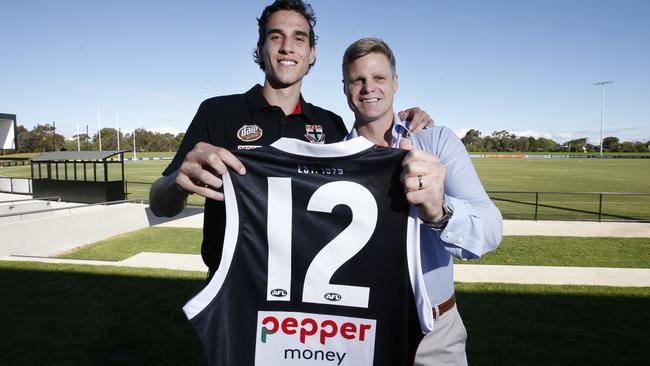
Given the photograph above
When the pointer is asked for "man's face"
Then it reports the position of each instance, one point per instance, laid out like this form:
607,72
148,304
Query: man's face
370,85
286,51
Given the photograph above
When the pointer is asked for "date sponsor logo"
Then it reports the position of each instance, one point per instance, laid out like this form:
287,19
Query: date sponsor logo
248,133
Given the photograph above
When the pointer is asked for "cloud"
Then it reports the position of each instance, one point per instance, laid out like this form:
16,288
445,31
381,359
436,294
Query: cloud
461,132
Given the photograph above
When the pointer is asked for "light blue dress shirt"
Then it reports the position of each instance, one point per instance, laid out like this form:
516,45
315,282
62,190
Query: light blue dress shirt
476,225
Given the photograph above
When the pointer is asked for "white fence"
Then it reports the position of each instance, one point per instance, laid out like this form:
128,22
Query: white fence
16,185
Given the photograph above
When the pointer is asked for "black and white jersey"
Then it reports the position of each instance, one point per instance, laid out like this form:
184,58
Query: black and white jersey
321,261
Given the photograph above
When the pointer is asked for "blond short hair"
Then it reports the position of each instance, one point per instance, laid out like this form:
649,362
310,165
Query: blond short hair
366,46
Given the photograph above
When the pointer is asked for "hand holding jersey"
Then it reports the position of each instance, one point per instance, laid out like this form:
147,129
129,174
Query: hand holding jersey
424,181
203,167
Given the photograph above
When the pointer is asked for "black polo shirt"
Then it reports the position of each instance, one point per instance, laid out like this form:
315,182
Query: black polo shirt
244,121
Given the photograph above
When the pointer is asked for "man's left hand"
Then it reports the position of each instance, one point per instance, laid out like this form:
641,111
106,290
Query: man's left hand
423,177
417,118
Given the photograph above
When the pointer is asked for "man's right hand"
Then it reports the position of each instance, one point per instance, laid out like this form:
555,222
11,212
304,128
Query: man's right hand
202,168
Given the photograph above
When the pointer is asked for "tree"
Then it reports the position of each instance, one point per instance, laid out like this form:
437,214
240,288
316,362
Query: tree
22,136
641,147
522,144
627,146
544,144
577,145
610,144
490,144
504,140
40,139
472,140
109,139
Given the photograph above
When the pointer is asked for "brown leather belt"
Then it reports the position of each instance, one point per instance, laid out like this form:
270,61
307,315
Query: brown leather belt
444,307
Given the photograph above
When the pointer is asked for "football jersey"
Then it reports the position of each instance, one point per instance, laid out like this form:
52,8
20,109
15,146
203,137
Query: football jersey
320,264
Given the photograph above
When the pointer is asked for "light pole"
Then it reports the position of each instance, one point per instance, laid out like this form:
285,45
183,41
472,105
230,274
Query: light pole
602,112
99,129
54,129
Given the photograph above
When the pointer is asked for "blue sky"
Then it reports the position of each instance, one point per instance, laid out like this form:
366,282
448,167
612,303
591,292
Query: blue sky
524,66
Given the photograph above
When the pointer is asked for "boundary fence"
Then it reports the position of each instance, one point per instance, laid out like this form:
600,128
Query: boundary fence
564,206
518,205
573,206
16,185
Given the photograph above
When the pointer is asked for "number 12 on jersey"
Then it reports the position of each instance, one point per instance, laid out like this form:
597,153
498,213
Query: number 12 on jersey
317,287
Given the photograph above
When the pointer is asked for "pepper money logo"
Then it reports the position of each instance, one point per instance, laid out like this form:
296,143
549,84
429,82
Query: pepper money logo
290,338
248,133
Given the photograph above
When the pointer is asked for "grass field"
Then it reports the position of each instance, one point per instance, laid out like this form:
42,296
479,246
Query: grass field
515,250
80,315
530,175
84,315
153,239
512,175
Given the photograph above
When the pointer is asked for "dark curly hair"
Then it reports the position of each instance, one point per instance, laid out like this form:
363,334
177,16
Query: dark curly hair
299,7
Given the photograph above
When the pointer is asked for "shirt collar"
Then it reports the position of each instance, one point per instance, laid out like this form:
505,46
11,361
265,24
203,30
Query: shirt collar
398,132
257,102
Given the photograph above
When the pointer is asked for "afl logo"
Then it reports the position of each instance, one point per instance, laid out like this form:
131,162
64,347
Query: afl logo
331,296
248,133
278,292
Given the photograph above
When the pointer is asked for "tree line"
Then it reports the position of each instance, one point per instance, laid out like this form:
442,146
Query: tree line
43,138
504,141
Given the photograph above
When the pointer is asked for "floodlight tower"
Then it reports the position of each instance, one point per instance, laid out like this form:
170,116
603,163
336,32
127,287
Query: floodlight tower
602,112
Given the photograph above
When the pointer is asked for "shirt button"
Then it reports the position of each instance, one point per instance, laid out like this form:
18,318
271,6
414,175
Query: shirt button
448,235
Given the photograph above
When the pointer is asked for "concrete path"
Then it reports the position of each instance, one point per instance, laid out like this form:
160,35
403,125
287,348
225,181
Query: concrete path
513,227
547,275
473,273
577,228
463,273
183,262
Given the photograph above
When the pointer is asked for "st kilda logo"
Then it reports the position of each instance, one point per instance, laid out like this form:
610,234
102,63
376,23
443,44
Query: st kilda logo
248,133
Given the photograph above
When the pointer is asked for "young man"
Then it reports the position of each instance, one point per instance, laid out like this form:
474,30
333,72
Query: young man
457,216
285,51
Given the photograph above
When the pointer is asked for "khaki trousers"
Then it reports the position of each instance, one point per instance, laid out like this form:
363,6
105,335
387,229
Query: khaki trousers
445,345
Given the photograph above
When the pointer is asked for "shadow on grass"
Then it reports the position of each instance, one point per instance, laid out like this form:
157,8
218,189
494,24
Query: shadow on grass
570,325
62,315
76,318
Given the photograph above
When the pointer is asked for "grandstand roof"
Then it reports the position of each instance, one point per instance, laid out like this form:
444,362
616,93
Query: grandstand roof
77,155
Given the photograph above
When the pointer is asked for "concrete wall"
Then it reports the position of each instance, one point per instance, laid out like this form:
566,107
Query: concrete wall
61,231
